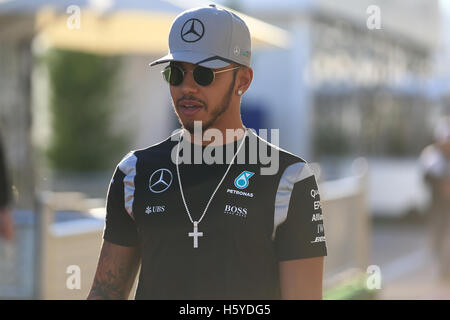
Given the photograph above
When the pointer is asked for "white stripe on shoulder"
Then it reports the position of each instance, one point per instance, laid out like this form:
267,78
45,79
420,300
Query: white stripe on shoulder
128,167
292,174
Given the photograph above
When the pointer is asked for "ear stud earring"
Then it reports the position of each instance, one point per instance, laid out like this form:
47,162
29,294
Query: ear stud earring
239,92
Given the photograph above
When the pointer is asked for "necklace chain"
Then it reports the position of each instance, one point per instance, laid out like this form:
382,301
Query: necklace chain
217,188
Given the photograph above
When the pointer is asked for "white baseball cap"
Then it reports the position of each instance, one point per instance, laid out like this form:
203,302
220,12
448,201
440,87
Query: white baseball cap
210,37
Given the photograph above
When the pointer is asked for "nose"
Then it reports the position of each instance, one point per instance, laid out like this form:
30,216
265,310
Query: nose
189,85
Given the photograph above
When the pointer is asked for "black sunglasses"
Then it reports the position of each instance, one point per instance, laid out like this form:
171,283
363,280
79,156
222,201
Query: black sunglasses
174,75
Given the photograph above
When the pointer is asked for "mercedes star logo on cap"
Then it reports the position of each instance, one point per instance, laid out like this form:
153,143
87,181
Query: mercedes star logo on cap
160,180
227,39
192,30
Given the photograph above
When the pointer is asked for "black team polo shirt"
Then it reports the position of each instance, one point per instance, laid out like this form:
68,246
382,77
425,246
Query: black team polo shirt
251,225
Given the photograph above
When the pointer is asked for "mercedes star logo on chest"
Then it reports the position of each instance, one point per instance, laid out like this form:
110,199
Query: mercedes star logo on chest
160,180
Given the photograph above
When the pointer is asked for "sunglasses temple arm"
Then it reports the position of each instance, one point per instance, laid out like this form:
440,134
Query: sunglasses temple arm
226,70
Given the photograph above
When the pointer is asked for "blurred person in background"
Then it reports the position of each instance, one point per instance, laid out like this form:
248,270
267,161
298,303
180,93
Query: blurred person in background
435,163
6,221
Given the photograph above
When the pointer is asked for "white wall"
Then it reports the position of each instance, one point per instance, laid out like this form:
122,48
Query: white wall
418,20
280,82
144,107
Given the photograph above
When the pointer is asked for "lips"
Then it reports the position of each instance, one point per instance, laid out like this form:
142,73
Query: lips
189,107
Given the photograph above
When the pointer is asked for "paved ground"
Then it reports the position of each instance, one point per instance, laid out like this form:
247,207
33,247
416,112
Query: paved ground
408,268
423,284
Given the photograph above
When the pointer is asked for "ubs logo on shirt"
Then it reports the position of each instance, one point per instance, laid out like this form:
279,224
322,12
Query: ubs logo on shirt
155,209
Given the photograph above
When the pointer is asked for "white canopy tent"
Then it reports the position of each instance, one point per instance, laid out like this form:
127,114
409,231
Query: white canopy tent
120,26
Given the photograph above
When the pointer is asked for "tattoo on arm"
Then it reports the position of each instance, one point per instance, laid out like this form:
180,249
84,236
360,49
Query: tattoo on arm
116,271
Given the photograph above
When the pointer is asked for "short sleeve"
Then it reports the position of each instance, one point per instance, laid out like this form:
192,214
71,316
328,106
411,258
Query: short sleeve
120,227
302,233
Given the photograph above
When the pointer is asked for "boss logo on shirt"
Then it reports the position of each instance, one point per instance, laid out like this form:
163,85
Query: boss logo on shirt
236,211
155,209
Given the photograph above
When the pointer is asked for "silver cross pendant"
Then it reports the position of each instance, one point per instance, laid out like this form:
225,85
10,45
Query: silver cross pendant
195,234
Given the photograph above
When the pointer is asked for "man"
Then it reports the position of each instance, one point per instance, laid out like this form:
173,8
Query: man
6,220
222,230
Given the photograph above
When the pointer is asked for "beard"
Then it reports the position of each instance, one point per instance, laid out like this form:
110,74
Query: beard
216,113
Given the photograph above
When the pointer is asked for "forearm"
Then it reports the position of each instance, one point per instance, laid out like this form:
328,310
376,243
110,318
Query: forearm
301,279
115,274
104,289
